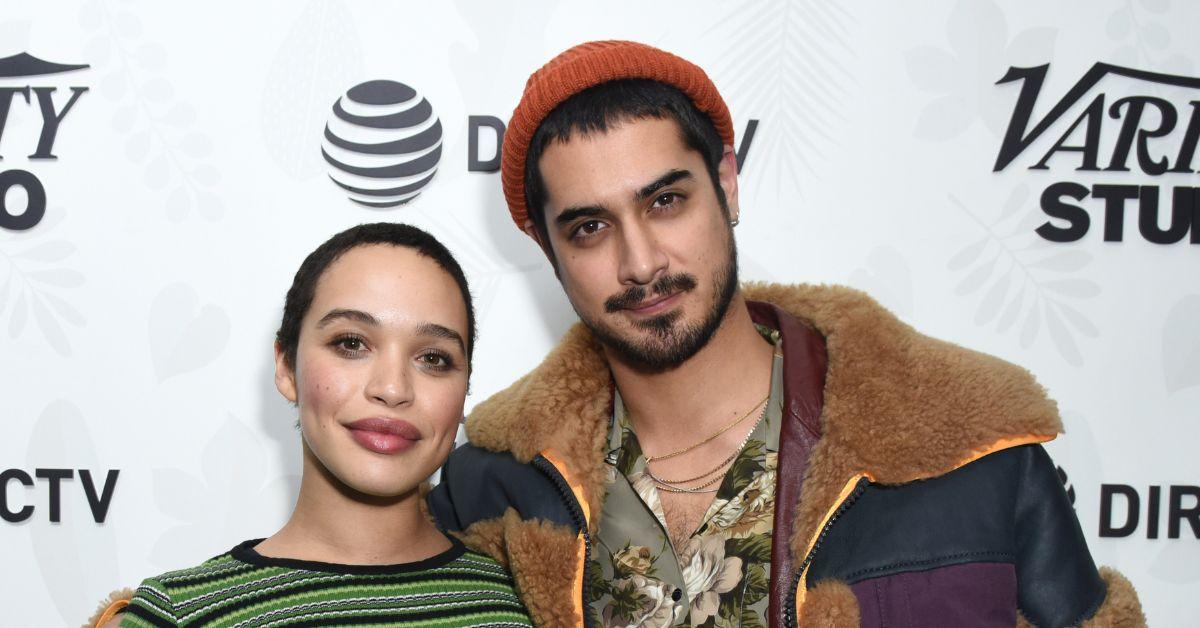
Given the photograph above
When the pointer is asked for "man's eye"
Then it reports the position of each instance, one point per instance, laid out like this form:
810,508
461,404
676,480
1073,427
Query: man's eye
588,228
666,199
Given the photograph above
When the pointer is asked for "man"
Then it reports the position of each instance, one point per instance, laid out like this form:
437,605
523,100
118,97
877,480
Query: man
699,453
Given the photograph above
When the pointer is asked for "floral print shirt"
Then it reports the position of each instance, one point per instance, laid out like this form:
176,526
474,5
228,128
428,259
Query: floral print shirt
721,576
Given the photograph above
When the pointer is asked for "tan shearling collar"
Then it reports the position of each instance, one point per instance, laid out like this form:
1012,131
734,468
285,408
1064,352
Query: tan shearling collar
899,405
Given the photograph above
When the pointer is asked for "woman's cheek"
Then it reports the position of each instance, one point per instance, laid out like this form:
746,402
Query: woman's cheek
325,385
448,410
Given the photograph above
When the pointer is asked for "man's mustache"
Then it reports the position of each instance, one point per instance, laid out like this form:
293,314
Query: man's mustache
669,284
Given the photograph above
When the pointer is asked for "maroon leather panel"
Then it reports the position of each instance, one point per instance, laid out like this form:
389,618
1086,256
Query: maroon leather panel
804,365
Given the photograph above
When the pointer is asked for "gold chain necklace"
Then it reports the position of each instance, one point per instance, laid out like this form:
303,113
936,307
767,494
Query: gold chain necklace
671,486
710,438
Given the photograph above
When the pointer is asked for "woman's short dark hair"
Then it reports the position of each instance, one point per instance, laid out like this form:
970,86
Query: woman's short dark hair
304,285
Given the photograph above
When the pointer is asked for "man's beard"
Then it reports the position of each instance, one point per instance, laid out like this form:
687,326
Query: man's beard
670,344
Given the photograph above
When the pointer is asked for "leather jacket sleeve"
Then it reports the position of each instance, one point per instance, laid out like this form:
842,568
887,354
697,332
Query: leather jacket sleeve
1057,581
478,484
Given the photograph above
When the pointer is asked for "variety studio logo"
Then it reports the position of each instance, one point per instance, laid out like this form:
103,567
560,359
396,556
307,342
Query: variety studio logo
40,106
383,142
1155,137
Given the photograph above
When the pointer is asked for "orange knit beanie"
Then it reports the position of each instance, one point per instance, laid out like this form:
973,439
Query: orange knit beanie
587,65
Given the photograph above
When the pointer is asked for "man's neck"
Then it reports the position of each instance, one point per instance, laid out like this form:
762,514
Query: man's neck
724,380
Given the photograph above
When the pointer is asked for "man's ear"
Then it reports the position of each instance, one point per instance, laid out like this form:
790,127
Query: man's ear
727,175
285,376
531,230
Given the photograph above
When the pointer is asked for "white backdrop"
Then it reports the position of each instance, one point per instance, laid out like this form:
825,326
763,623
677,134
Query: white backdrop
136,317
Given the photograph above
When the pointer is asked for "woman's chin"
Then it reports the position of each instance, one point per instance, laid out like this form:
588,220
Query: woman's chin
383,488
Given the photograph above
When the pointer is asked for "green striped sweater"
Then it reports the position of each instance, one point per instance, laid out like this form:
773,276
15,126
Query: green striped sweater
244,588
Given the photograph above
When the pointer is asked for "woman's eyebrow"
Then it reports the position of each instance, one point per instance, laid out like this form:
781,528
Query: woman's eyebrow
357,316
441,331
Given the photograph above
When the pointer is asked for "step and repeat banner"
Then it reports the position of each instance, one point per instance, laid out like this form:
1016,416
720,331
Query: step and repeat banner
1020,178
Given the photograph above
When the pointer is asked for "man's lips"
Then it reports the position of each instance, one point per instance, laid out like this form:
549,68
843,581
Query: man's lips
655,305
384,436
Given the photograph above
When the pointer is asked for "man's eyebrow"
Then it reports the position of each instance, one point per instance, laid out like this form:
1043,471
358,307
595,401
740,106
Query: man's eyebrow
358,316
441,331
571,213
670,177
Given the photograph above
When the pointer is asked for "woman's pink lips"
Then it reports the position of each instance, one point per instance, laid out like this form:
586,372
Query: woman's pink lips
654,307
384,436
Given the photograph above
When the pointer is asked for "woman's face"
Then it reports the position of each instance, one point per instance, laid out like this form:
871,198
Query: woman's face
381,369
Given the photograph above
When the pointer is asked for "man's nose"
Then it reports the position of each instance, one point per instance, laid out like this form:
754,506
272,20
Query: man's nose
642,260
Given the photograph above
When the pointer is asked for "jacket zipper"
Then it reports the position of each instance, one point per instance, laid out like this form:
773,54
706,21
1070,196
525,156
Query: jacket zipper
790,620
568,497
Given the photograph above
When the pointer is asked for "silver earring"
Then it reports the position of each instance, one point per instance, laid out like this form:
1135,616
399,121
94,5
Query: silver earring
735,221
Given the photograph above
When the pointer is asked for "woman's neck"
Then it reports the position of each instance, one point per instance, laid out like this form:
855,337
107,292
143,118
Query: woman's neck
333,523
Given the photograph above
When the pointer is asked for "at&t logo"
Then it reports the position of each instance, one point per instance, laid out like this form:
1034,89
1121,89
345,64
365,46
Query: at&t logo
382,143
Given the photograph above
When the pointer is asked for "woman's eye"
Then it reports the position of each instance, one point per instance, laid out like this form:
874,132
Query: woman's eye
349,345
436,361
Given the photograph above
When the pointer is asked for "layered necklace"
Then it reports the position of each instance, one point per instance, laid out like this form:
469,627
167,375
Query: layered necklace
675,486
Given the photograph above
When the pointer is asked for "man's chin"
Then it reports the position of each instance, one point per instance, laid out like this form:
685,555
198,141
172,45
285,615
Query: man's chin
652,345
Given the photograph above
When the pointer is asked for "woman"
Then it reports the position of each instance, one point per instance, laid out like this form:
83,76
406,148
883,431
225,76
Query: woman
375,351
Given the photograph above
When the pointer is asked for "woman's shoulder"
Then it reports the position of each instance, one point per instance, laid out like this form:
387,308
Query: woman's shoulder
158,598
210,568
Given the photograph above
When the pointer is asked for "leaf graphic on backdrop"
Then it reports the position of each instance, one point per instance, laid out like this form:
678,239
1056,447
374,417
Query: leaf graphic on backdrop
944,118
225,504
786,58
977,33
78,558
20,314
148,114
1063,261
1028,267
887,277
35,275
47,252
1140,36
1016,201
1011,311
1061,336
1074,288
1181,345
976,278
967,255
1031,47
319,59
183,335
989,308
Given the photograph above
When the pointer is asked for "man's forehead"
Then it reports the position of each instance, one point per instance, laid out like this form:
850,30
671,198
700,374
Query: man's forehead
620,160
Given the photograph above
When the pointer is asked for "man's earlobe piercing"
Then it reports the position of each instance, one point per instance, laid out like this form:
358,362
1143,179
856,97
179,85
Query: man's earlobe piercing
735,221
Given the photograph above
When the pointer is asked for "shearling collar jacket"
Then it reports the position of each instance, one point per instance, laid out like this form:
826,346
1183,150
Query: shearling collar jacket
911,486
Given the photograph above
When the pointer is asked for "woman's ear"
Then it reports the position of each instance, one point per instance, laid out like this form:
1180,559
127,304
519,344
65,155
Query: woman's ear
285,375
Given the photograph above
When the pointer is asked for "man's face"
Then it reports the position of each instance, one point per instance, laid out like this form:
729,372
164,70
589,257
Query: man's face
643,247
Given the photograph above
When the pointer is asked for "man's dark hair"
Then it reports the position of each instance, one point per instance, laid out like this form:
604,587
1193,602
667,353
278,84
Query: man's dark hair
598,108
304,285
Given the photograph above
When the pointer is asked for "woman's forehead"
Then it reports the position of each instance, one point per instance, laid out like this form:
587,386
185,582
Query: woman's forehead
393,284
